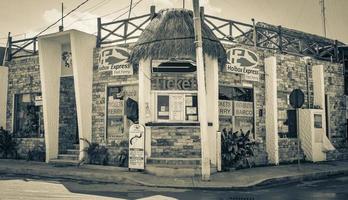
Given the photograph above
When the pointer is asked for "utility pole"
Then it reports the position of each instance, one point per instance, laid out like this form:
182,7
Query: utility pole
322,4
61,27
202,94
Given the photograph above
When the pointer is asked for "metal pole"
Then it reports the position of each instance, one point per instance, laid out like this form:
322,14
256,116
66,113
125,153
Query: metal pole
308,92
202,104
298,139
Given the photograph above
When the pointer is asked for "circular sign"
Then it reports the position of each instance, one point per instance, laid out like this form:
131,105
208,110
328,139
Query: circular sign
297,98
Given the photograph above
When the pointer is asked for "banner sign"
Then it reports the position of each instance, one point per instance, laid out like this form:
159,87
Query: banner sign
225,108
243,108
136,157
243,61
115,59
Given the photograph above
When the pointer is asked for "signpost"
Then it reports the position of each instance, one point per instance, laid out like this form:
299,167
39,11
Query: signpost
136,155
297,101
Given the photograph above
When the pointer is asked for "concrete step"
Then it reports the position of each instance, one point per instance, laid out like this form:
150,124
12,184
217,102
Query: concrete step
63,162
174,161
173,171
72,152
68,157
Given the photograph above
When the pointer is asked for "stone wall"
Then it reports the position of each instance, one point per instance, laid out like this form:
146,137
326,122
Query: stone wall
101,80
67,115
23,77
175,142
27,144
288,150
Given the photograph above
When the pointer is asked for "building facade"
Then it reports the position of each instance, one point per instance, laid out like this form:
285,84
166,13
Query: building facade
74,89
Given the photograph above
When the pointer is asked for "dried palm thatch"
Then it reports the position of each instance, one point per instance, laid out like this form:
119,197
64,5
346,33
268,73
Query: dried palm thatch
170,34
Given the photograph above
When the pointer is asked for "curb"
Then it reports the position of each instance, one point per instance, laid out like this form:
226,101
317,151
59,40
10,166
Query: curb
119,178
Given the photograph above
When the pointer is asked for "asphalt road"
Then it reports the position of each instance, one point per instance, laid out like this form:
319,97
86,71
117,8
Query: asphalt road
14,187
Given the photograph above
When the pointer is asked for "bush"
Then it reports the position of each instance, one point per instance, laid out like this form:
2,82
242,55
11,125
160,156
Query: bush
96,154
37,153
122,158
8,145
236,150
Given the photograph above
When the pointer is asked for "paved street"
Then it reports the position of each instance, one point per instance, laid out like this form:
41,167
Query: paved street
12,187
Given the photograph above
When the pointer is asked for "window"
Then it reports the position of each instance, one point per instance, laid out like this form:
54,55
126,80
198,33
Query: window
177,107
28,120
122,111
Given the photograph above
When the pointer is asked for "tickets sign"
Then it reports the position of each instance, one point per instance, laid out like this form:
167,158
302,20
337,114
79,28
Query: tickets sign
136,155
115,59
243,61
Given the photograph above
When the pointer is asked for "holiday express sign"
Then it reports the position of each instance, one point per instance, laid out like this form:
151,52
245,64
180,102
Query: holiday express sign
243,61
115,59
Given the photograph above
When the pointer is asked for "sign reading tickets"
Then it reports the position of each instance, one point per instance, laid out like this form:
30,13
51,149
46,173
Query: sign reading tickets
243,61
115,59
243,109
136,155
225,108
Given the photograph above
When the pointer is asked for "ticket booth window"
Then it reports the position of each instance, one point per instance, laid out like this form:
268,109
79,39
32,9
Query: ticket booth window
177,107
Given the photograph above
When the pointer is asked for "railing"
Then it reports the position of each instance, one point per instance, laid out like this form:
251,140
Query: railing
21,48
228,31
122,31
276,38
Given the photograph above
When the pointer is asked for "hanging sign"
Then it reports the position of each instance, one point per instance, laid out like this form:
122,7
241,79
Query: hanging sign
225,108
115,59
136,157
243,61
243,108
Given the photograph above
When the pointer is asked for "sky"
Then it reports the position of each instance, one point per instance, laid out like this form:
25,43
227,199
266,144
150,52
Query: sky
25,18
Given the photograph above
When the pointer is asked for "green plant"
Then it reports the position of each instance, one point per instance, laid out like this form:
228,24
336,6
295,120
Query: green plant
96,154
8,145
122,158
236,149
37,154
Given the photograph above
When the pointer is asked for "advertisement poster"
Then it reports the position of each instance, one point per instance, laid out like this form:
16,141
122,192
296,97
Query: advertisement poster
177,107
115,107
136,147
225,108
243,108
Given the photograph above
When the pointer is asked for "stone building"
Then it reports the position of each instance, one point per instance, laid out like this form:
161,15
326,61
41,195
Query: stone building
75,89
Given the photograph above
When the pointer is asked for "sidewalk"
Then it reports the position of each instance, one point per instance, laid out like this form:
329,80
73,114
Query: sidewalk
239,179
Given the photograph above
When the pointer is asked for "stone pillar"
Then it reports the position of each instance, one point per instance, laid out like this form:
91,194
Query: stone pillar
271,110
3,95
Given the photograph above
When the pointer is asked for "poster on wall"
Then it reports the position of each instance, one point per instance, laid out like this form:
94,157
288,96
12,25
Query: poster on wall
115,59
243,108
243,124
243,61
115,107
225,108
136,157
177,112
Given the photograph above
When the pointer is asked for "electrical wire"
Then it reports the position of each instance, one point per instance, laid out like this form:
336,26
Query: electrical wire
127,10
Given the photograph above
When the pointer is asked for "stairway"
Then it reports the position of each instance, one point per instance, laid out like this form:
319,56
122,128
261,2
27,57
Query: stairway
174,167
69,158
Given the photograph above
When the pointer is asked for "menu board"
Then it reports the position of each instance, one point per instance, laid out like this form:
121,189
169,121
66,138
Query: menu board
136,147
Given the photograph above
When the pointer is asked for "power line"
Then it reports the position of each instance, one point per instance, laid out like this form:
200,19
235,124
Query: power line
127,11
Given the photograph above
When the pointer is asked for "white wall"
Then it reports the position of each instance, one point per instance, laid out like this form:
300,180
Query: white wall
271,110
82,46
3,95
50,61
212,84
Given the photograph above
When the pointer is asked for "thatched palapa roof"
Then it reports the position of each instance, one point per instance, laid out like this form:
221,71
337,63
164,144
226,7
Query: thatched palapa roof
170,34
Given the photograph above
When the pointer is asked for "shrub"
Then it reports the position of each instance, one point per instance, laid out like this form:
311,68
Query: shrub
236,149
96,154
37,154
8,145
